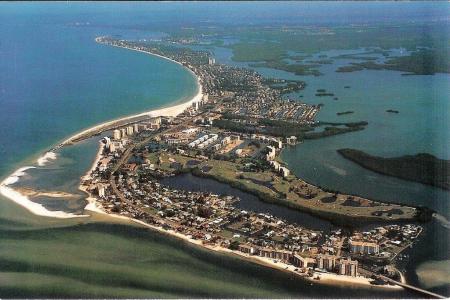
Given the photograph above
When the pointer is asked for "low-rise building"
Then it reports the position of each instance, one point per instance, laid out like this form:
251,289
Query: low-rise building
292,140
249,249
364,247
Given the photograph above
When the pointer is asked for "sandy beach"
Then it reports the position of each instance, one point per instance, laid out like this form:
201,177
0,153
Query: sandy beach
170,111
92,206
38,209
24,201
325,278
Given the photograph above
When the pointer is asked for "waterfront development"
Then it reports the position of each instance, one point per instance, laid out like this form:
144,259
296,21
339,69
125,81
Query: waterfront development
216,171
124,177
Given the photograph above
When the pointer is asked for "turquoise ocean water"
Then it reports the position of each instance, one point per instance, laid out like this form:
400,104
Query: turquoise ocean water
56,80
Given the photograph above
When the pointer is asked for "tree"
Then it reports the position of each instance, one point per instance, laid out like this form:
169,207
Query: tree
234,245
204,211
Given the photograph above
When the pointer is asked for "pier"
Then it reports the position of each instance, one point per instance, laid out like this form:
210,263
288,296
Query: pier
413,288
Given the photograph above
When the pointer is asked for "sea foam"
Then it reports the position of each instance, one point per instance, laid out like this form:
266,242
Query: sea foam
22,200
14,177
45,158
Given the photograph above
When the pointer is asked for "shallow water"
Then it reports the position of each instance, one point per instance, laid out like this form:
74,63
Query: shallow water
56,81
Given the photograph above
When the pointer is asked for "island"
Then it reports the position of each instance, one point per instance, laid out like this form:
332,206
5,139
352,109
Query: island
419,62
345,112
138,153
234,133
424,168
323,93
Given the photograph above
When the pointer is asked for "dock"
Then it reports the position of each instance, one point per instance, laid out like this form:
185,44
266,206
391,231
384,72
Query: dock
413,288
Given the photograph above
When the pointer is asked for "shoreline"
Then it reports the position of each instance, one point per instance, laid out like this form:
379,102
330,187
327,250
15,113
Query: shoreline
92,206
167,111
23,200
325,277
38,209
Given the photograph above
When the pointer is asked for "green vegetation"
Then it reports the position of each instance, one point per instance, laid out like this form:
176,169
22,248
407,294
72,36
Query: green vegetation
270,187
286,129
324,94
270,46
266,51
392,111
322,61
421,62
424,168
330,131
359,56
297,69
285,86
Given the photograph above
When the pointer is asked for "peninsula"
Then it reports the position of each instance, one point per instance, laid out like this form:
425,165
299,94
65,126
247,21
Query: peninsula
125,180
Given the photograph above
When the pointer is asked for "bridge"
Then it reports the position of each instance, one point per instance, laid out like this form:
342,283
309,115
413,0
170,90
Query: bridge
413,288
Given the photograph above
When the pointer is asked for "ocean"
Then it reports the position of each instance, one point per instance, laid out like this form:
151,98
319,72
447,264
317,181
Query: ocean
56,81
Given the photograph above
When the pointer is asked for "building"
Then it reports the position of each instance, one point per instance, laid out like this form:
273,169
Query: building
211,60
275,165
123,132
348,267
226,141
116,134
303,262
364,247
266,252
284,172
107,141
114,146
136,128
277,143
271,153
130,130
291,140
326,262
247,249
283,255
101,190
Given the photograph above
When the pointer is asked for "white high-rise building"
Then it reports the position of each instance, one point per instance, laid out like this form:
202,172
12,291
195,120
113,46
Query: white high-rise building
116,134
130,130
